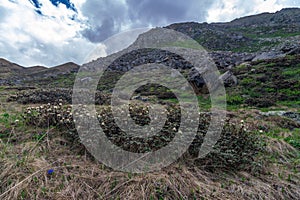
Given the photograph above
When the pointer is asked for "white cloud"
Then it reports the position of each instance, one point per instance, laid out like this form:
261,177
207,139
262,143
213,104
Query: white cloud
115,43
227,10
62,35
32,39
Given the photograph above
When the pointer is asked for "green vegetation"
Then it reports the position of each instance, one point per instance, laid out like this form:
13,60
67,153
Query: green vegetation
293,72
290,104
267,83
64,81
190,44
294,139
7,119
255,46
255,38
256,156
235,100
266,32
204,103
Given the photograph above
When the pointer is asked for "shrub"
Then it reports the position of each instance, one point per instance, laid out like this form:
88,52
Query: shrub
237,148
235,100
49,115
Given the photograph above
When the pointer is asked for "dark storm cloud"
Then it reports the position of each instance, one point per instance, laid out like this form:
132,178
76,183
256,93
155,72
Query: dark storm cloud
159,12
107,17
100,32
104,17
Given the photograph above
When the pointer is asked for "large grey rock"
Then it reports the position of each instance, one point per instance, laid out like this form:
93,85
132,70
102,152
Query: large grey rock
292,115
269,55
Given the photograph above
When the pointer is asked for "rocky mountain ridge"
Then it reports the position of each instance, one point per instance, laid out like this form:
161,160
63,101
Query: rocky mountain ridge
253,38
257,33
12,73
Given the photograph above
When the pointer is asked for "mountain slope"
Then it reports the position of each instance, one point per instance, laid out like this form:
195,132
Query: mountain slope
253,38
11,73
262,32
256,157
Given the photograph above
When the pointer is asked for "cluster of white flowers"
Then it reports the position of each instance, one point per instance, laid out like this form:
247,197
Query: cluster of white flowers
55,112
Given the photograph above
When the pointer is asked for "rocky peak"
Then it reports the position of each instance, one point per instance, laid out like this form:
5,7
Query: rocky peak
283,17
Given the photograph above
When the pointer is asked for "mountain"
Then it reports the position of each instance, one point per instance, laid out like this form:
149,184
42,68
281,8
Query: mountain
8,67
66,68
12,73
46,154
262,32
247,39
287,16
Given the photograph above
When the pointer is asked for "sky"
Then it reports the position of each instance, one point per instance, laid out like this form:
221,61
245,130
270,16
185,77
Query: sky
52,32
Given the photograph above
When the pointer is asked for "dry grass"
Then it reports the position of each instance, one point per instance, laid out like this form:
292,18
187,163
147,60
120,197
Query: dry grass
25,161
78,176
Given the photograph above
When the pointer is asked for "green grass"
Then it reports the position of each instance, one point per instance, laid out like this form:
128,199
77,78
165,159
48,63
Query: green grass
190,44
266,32
292,72
279,33
290,104
258,35
204,103
290,92
294,139
64,81
247,81
255,46
7,119
235,100
268,65
274,82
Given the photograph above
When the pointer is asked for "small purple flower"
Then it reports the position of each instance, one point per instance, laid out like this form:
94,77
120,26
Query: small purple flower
50,171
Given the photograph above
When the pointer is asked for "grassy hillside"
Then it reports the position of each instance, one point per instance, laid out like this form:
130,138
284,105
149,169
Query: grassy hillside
257,156
267,83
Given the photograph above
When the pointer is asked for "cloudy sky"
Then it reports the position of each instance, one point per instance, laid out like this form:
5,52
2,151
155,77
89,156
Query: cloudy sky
52,32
